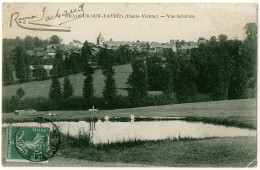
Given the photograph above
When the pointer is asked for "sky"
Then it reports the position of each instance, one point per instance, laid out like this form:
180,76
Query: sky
209,20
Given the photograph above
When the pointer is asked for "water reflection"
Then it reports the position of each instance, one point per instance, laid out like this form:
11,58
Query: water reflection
104,132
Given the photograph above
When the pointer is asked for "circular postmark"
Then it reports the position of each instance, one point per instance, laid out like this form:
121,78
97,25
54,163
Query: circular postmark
38,143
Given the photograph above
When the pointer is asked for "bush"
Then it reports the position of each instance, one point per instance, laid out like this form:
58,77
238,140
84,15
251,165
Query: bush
162,99
202,98
74,103
78,103
7,105
20,92
37,103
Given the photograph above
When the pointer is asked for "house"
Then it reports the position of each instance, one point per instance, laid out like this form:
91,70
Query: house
112,43
48,68
50,51
76,43
141,44
156,46
192,43
186,47
171,46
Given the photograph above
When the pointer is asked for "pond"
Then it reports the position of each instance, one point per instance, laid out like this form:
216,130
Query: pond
108,132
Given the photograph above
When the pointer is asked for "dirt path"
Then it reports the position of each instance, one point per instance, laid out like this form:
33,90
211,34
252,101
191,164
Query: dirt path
60,161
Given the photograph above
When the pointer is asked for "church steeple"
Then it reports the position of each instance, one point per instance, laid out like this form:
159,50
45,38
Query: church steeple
100,39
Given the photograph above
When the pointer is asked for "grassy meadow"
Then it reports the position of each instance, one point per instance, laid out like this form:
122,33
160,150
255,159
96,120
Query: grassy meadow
208,152
186,152
41,88
240,113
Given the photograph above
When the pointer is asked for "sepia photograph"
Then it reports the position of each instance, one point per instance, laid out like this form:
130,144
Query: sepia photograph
129,84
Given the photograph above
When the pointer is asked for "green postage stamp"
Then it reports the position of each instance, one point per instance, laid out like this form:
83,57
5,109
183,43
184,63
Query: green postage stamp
26,144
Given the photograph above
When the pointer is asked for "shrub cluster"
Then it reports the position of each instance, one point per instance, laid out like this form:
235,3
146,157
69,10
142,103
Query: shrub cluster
78,103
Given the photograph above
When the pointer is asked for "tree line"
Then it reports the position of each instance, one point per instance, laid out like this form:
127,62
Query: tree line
64,62
16,59
218,69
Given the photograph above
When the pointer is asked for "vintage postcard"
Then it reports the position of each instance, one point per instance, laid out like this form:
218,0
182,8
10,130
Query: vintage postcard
129,84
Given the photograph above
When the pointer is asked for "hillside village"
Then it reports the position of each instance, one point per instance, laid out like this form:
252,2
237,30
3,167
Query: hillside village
48,53
124,73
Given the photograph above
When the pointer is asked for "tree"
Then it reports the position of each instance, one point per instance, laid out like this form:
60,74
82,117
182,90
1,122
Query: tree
28,43
222,38
155,73
55,94
8,77
170,72
88,89
67,87
86,54
249,49
21,64
20,93
39,73
238,84
106,63
55,40
57,66
186,89
14,102
110,91
67,66
137,82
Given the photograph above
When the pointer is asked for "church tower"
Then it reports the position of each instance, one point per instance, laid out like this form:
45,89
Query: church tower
100,39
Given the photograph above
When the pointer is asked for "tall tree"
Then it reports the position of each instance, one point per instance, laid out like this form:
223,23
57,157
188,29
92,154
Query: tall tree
170,72
186,89
58,64
21,64
238,84
155,72
88,88
55,94
39,73
8,77
106,63
85,54
110,90
67,87
137,82
249,49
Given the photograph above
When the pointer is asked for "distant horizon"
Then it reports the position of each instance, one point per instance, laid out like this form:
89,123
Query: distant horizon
95,42
209,20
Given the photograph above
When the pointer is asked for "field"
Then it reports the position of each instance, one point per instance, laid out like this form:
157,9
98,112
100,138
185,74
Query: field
212,152
241,113
208,152
41,88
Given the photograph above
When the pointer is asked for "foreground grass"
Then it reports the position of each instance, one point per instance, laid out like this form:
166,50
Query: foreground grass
239,113
212,152
209,152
